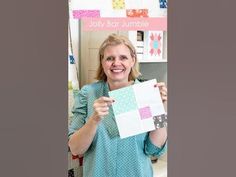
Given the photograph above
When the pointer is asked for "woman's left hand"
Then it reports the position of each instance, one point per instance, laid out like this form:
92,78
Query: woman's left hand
163,91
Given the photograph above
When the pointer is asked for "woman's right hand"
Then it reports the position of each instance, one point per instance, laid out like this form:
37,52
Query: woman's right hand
101,108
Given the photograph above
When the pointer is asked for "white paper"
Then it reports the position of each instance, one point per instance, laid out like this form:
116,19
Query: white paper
134,4
112,13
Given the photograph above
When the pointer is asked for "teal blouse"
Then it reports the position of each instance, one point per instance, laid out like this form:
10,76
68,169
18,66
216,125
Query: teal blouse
108,155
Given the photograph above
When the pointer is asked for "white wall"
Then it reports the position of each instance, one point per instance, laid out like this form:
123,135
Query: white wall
74,26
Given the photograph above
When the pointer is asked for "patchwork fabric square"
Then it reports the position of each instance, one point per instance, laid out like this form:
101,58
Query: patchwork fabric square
78,14
71,173
163,3
129,124
72,60
137,12
145,113
118,4
124,100
160,121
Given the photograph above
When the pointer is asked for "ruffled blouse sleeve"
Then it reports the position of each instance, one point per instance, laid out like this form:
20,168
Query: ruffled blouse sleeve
153,150
79,110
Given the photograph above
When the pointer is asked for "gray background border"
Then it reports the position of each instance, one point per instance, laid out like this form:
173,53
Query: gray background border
201,83
33,90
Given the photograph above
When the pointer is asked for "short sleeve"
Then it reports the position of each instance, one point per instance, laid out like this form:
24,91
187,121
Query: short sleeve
152,150
79,110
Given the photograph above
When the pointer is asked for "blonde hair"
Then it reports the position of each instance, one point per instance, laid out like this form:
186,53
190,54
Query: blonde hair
113,40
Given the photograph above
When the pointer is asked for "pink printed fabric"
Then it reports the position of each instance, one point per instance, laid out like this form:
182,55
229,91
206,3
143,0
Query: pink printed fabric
77,14
145,112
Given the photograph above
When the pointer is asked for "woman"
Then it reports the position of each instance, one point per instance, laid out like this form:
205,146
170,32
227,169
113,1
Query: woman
93,131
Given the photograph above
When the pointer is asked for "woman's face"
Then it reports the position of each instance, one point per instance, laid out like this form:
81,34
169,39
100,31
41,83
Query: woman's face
117,63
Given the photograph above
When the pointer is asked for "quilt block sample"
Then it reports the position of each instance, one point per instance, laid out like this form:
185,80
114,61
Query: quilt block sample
135,108
154,43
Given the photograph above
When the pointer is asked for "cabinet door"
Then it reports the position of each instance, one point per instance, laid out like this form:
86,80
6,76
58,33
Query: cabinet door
89,46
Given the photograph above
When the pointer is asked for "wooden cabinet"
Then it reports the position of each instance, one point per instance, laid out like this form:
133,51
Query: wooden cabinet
89,43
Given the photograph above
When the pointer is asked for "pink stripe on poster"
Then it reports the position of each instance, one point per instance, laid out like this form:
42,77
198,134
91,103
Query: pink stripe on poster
92,24
77,14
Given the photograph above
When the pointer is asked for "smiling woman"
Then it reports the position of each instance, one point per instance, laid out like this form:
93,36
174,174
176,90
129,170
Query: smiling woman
118,62
93,130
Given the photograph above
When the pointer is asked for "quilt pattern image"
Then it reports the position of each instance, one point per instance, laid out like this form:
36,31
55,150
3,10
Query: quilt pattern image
135,108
